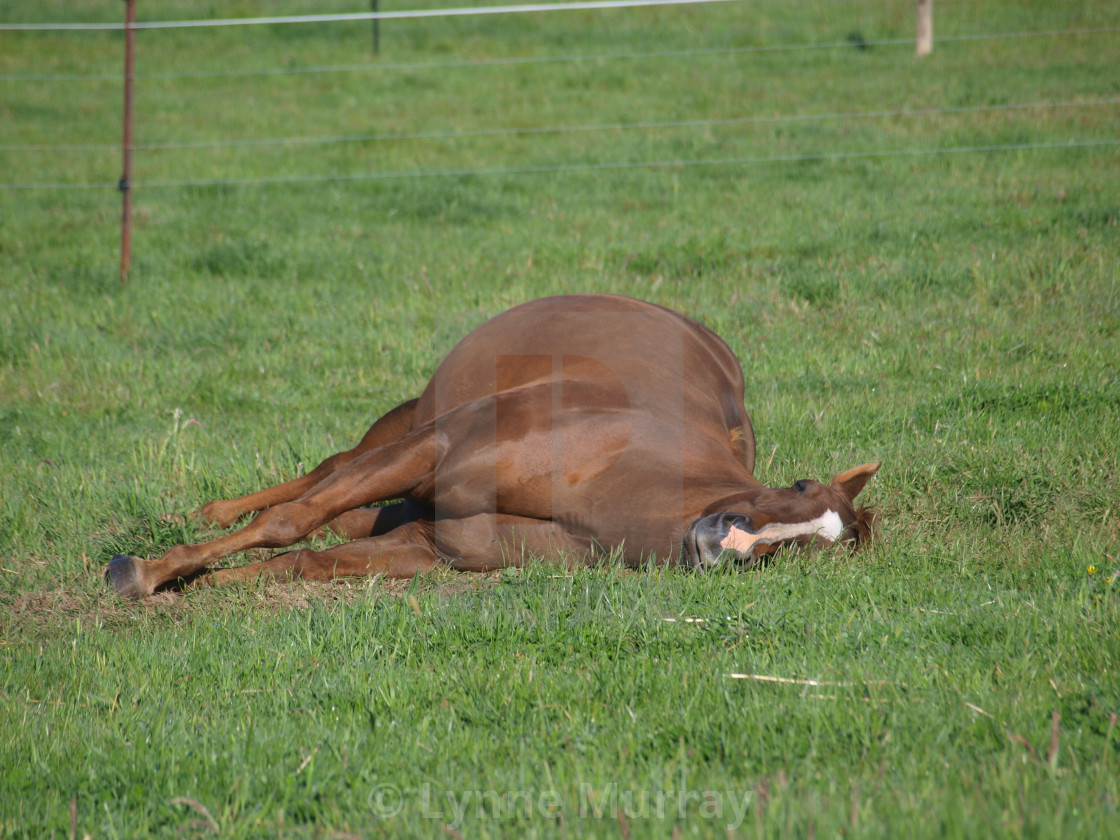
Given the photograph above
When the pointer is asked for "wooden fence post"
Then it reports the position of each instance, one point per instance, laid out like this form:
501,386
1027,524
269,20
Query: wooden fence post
925,27
126,142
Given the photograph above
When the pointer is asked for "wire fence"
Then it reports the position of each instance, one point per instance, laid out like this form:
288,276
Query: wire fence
706,122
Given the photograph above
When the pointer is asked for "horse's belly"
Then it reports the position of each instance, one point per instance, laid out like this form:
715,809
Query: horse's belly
612,480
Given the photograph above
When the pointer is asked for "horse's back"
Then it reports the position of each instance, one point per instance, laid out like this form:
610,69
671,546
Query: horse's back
606,350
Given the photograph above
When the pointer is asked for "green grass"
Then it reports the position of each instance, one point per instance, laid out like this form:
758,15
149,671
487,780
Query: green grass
955,315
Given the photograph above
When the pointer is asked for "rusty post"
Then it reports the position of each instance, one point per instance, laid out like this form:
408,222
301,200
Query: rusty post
126,143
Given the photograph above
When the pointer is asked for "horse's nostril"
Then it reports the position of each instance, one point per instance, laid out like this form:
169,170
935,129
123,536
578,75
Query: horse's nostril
736,520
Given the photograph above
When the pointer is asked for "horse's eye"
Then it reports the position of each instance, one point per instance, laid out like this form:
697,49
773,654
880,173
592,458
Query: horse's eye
800,486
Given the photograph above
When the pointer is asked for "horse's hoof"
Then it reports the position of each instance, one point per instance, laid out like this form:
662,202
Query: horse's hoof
124,573
214,515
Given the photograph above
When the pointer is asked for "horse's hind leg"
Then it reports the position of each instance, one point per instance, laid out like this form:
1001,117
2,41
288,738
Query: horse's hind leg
402,553
388,472
393,426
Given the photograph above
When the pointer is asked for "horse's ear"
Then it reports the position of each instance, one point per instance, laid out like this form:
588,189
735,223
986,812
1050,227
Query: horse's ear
850,483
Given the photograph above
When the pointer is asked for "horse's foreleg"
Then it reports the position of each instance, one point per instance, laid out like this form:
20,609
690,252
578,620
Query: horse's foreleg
371,521
387,472
402,553
393,426
477,544
490,541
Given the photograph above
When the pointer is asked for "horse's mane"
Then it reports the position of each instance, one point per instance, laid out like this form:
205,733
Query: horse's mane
742,441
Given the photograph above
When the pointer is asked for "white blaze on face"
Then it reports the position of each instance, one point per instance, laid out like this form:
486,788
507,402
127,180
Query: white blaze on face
827,525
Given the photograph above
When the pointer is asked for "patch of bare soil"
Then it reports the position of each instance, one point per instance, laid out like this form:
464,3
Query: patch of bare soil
302,594
41,614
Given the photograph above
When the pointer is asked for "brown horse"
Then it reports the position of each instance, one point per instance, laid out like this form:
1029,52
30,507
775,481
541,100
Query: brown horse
568,427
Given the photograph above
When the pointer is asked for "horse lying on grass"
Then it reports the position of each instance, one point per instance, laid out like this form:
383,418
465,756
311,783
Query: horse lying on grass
568,427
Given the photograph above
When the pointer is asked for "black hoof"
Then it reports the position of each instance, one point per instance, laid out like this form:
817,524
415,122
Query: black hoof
124,573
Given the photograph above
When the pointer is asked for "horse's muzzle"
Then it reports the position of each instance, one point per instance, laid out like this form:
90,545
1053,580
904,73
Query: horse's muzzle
702,546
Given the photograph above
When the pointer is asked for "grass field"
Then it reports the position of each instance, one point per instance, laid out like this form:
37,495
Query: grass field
898,288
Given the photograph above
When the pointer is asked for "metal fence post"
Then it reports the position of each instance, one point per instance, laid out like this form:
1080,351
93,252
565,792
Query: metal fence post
374,5
126,142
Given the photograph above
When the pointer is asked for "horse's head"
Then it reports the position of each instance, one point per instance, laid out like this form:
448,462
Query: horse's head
756,522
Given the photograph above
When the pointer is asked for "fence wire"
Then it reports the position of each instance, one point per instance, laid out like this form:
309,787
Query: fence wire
405,14
413,66
589,167
653,125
